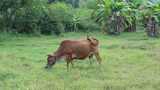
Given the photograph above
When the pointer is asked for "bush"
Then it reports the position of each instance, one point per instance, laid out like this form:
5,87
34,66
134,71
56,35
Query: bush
88,25
90,4
59,15
85,22
20,16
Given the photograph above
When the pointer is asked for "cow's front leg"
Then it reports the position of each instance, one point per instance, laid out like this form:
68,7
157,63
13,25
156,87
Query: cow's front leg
72,63
67,65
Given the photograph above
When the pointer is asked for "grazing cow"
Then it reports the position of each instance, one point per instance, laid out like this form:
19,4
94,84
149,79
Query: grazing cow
75,49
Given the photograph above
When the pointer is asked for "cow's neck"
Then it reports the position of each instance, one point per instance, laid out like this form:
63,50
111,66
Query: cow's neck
58,55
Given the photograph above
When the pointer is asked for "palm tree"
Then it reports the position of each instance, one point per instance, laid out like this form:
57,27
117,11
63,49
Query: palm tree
133,13
116,16
151,14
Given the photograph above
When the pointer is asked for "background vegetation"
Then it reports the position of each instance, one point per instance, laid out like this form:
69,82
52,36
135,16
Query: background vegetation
60,16
39,17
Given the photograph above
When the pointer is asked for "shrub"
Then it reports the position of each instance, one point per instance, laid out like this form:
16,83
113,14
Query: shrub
88,25
90,4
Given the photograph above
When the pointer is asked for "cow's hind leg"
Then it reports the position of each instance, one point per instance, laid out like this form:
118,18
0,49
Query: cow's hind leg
90,58
69,60
98,58
67,64
72,63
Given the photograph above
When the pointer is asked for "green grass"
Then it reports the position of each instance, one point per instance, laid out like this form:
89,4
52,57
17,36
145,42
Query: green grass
131,61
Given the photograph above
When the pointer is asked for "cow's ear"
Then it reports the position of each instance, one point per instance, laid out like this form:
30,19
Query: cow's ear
95,39
88,38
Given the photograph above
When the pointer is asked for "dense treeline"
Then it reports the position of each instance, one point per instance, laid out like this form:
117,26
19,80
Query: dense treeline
58,16
39,17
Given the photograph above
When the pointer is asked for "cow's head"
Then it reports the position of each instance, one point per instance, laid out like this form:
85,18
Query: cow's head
93,41
51,60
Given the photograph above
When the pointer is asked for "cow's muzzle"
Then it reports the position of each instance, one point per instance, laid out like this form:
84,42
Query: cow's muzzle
47,67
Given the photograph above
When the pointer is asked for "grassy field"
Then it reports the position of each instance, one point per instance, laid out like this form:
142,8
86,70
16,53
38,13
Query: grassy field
131,61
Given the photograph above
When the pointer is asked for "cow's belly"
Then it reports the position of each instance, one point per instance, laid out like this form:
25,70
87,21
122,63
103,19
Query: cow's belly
78,52
81,55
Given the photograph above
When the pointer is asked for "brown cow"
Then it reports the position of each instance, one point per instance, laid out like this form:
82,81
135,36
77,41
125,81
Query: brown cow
75,49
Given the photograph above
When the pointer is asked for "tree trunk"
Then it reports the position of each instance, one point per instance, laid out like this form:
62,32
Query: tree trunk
118,24
115,24
131,27
152,27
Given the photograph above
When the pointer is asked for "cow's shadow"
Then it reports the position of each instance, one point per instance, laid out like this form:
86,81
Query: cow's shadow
85,65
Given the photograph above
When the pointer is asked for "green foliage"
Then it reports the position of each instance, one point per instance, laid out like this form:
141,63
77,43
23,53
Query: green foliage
84,21
151,9
60,12
88,25
111,14
38,17
90,4
127,12
7,12
74,3
21,16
